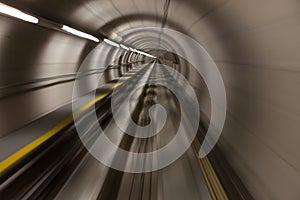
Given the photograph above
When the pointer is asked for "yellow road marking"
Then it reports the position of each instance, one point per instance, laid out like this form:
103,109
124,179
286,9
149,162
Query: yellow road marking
14,158
214,185
210,187
87,106
116,85
214,180
27,149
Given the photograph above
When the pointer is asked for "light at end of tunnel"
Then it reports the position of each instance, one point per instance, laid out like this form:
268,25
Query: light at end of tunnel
13,12
79,33
112,43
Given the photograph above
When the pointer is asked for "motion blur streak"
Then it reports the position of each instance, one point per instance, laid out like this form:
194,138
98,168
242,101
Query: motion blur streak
255,46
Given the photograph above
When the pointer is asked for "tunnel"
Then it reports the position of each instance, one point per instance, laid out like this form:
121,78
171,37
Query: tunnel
154,100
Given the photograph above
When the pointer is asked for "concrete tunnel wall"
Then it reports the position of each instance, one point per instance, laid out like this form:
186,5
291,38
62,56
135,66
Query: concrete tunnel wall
255,45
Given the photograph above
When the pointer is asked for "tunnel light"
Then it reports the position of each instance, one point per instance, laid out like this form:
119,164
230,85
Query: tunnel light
138,51
79,33
10,11
133,50
148,55
124,47
141,52
144,53
112,43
